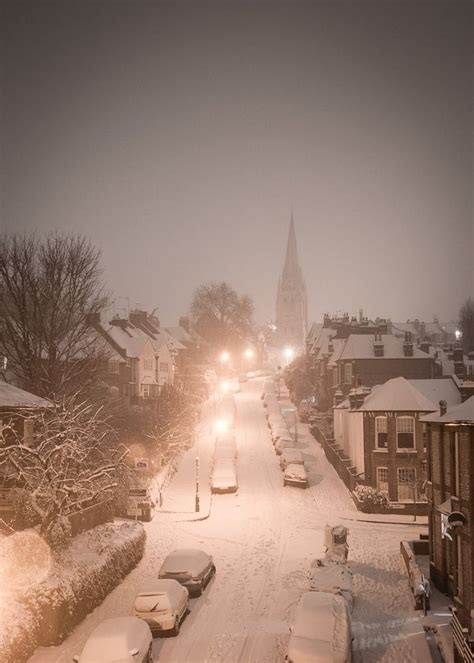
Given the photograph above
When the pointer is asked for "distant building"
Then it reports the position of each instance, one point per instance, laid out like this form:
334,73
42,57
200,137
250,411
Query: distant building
450,490
291,304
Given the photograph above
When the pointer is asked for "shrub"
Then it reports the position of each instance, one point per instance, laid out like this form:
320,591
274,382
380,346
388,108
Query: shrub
371,497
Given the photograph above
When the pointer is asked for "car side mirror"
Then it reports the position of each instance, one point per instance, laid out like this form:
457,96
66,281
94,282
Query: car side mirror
134,652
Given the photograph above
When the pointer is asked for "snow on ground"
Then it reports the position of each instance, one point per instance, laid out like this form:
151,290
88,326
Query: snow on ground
263,540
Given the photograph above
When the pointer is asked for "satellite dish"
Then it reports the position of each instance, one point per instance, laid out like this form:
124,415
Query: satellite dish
456,519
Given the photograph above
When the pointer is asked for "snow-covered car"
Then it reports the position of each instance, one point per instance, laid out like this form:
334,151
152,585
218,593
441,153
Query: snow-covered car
162,605
320,630
226,410
275,419
243,378
273,407
224,477
269,398
280,431
283,443
290,455
118,640
295,475
191,567
332,578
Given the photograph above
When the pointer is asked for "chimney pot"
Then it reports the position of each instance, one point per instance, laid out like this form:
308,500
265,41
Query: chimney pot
443,407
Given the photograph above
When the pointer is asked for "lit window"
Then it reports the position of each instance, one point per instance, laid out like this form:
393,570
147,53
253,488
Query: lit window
406,484
382,479
405,433
381,441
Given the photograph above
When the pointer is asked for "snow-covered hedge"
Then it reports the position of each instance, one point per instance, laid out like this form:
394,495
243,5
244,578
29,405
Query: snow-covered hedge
371,497
46,612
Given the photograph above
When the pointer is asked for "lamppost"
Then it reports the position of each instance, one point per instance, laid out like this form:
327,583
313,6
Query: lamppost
197,433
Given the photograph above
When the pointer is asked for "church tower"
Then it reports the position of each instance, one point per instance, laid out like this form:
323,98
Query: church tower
292,304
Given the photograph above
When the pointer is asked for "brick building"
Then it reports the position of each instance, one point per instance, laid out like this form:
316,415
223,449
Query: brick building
450,454
381,432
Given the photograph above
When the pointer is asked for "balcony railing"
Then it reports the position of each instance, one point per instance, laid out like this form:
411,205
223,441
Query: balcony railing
461,639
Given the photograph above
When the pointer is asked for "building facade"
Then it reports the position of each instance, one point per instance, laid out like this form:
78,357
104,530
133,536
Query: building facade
291,303
450,490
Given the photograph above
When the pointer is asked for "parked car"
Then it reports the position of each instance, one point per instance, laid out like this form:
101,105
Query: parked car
224,477
290,455
118,640
191,567
283,443
295,475
162,605
332,578
320,630
243,378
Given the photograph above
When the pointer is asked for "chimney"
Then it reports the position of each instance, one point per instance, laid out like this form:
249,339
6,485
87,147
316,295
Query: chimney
184,322
326,320
338,397
443,408
408,345
458,358
352,400
425,347
117,321
138,318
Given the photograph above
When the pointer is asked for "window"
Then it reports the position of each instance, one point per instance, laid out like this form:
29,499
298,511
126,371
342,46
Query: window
423,428
114,366
148,364
405,433
146,391
381,433
424,470
164,366
347,373
382,479
406,484
459,566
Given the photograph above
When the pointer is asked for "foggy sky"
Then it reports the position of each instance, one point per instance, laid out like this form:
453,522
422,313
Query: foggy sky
178,135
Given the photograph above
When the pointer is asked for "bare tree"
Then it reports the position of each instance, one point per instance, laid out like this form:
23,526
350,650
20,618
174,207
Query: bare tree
222,316
48,288
65,459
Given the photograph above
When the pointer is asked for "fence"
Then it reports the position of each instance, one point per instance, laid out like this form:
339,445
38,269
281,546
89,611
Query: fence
335,456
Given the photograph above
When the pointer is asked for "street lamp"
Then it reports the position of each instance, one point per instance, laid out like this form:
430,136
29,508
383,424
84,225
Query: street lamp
249,353
289,353
224,357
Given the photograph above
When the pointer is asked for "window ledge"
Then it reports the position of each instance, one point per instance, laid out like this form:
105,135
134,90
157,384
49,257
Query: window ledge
384,451
407,451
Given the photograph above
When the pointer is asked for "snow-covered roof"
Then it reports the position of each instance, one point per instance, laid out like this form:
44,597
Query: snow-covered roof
14,397
403,327
400,394
459,414
361,346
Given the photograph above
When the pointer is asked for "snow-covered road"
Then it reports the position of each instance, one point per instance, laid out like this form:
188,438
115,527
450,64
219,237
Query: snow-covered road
263,540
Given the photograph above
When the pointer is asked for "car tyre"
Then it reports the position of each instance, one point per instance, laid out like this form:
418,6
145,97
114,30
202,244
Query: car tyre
177,625
150,658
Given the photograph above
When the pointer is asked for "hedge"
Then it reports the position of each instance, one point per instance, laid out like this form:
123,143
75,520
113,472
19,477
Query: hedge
47,612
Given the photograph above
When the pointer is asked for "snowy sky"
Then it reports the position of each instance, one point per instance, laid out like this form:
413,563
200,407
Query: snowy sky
178,135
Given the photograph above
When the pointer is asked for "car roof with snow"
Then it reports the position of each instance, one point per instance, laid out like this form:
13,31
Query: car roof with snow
320,629
295,470
112,640
291,454
162,591
184,559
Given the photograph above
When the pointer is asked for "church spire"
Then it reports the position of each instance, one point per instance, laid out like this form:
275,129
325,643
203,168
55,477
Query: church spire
292,266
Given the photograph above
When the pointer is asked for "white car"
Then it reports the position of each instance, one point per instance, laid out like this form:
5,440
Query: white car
162,605
243,378
280,431
320,630
295,475
191,567
118,640
333,578
224,477
291,455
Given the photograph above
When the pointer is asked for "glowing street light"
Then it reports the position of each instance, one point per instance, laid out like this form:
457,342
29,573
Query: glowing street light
249,353
221,425
458,334
225,386
224,357
289,354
